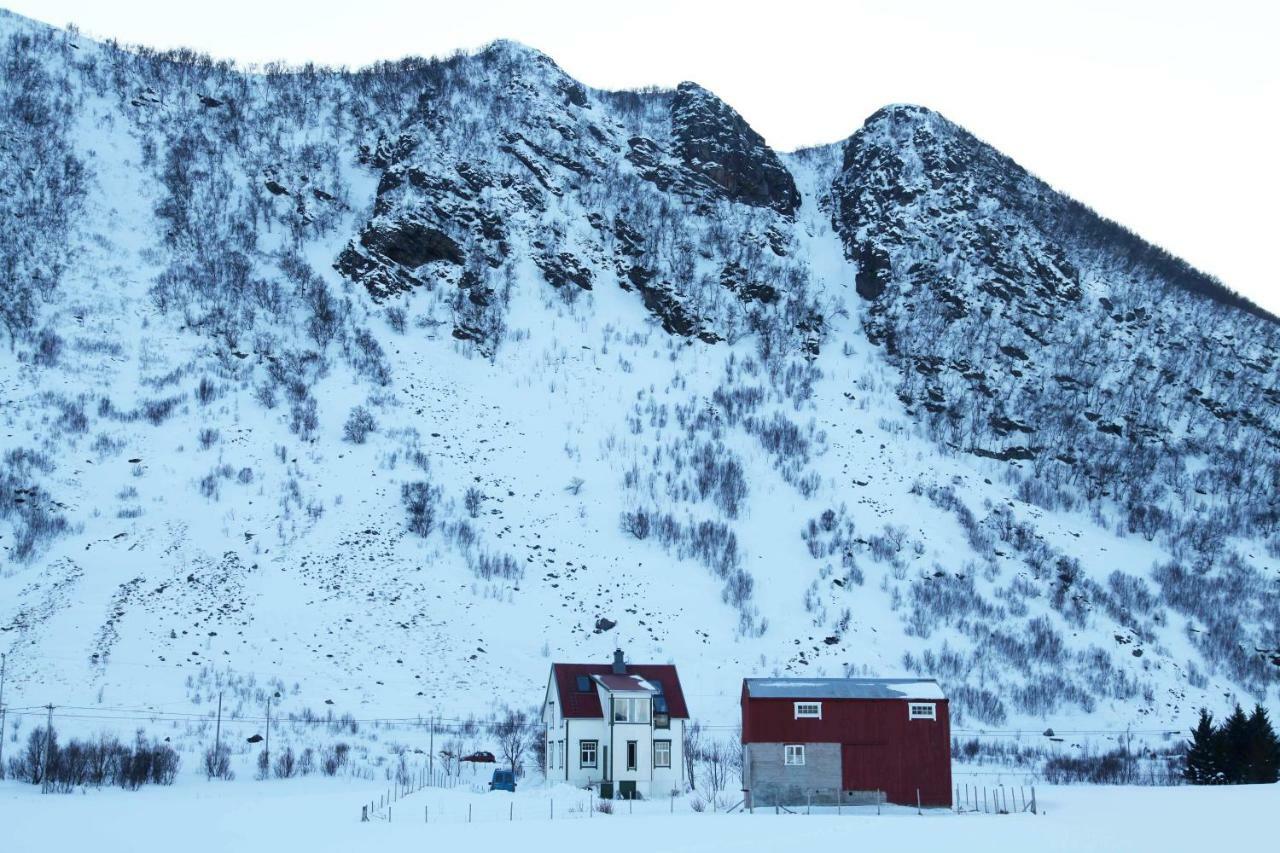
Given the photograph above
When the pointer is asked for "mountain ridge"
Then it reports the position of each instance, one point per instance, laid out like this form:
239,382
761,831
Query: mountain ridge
388,379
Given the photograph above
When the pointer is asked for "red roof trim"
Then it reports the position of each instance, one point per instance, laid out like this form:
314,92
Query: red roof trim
574,704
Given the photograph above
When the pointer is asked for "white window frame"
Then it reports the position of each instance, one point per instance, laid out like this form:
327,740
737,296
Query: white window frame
630,709
922,710
657,763
582,753
812,710
793,754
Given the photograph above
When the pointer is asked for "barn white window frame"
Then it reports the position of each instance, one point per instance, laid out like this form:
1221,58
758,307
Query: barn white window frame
808,710
793,755
922,710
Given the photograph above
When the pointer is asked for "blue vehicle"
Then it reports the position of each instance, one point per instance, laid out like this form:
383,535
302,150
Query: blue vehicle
503,780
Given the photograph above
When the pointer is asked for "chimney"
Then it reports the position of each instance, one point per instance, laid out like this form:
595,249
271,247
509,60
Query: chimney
619,666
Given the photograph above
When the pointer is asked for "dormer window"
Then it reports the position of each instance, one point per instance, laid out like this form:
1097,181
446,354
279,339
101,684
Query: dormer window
584,684
630,710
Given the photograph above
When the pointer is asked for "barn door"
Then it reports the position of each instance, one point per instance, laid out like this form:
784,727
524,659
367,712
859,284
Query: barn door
866,768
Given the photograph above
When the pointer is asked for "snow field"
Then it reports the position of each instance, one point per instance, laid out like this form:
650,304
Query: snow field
318,815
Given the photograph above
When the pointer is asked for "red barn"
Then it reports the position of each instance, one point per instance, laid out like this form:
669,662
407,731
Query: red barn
823,738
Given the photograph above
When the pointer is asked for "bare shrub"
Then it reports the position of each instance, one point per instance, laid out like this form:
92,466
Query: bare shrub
286,763
217,762
420,500
358,426
472,501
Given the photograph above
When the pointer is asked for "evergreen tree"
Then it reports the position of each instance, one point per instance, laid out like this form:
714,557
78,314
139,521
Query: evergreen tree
1235,747
1204,753
1262,759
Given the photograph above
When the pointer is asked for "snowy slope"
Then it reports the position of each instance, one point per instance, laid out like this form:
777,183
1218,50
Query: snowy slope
765,413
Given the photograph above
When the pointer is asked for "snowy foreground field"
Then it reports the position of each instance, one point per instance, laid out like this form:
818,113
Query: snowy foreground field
323,815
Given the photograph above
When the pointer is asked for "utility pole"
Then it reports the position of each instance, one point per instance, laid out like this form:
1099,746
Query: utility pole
48,741
268,741
431,749
3,661
217,732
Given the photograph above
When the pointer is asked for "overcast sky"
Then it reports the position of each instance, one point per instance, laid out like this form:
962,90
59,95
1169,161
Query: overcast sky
1162,115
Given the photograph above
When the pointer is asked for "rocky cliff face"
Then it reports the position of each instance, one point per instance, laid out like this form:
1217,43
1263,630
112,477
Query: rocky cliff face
715,142
440,345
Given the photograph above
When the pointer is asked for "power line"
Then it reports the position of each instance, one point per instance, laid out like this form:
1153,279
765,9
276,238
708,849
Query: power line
459,724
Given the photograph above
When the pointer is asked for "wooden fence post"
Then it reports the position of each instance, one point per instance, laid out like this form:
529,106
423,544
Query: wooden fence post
1033,800
364,814
918,809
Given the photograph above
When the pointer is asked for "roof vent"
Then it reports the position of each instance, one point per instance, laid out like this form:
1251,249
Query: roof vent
619,666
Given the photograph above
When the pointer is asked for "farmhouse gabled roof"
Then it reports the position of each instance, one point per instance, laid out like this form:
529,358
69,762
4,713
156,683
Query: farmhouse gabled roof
843,688
577,704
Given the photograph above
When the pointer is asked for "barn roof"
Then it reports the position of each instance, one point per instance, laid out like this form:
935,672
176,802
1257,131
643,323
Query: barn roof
843,688
575,703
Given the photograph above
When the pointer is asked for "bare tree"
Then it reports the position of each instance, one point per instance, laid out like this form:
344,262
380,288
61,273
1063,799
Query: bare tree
717,756
692,749
450,757
514,734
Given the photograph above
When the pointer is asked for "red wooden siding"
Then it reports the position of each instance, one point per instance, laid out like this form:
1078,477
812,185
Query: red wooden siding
881,748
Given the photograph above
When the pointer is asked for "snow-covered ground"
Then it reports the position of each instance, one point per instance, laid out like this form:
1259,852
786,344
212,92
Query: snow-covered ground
318,815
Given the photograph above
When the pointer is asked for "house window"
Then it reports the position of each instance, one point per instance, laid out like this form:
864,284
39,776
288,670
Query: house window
587,756
633,754
662,753
922,711
584,684
793,754
630,710
808,710
661,713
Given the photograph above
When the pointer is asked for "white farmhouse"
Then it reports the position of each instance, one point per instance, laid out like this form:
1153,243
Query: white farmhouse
618,728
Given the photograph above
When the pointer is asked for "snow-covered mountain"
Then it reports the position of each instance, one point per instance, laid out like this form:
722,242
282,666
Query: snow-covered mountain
391,386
